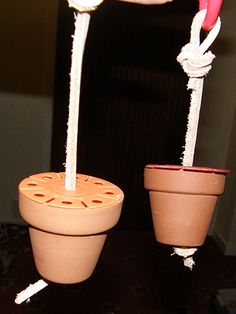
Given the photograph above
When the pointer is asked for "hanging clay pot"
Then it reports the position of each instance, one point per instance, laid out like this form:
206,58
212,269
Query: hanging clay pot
68,228
183,201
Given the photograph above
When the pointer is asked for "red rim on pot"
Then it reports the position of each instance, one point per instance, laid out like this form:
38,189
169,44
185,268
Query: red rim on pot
188,168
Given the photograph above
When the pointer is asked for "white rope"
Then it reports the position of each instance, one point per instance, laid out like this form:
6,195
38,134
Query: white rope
80,35
187,254
81,29
196,63
30,291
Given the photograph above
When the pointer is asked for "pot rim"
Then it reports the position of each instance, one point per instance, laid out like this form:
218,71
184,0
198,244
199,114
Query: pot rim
187,168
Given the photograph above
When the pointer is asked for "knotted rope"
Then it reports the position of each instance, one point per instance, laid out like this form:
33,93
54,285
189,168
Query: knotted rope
196,63
187,255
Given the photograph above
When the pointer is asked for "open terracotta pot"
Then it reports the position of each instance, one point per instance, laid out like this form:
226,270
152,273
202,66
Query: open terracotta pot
68,229
183,201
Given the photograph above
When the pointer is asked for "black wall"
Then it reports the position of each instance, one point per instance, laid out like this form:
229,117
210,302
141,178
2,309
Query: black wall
134,101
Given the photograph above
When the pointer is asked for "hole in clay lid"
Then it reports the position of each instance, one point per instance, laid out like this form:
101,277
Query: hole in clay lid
67,202
39,195
96,201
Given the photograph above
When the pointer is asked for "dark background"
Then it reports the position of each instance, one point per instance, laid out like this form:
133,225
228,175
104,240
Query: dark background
133,112
134,102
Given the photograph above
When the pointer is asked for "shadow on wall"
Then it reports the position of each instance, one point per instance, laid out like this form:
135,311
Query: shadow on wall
134,102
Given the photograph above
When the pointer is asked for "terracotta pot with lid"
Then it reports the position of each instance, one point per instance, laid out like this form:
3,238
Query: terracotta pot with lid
68,228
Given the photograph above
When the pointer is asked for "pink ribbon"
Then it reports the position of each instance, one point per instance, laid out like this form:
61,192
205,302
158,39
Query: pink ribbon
213,9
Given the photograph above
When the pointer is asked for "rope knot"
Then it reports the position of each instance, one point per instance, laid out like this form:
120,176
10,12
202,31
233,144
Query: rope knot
194,62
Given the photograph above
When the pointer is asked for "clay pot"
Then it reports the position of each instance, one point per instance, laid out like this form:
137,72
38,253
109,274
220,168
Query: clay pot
183,201
68,229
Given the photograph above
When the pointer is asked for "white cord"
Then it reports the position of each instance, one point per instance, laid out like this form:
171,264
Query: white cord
196,63
79,40
30,291
187,254
81,29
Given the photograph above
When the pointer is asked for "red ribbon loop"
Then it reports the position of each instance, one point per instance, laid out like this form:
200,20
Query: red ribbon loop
213,9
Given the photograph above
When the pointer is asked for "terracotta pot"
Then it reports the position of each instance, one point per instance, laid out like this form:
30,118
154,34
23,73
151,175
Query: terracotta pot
183,201
68,229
